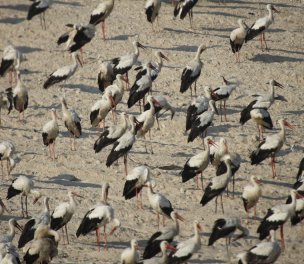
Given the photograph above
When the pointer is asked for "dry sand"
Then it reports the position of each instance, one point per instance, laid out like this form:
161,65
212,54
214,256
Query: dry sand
213,24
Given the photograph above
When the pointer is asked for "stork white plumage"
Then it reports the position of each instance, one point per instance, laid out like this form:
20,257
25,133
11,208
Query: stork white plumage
167,233
299,212
7,150
202,122
101,108
217,186
277,216
63,214
100,13
184,7
64,73
97,217
105,76
218,152
2,207
261,25
251,195
270,146
192,72
160,204
130,255
237,38
135,181
50,132
198,106
13,224
71,121
23,186
152,8
186,249
264,252
39,7
44,218
223,93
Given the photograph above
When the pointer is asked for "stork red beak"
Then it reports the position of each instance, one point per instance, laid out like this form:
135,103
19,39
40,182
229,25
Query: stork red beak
179,217
36,200
79,60
211,142
170,247
18,226
4,207
140,45
156,103
78,195
164,57
225,80
112,231
259,182
288,125
198,226
275,10
278,84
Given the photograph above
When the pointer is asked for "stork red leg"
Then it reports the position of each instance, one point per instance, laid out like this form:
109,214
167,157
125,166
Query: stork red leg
105,238
98,238
282,237
66,233
222,204
125,163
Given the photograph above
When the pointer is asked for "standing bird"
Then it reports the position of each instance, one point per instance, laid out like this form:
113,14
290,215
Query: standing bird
225,228
184,7
100,13
63,214
160,204
237,38
50,132
261,25
10,62
300,173
20,97
2,207
39,7
186,249
7,150
71,121
198,106
130,255
167,233
63,73
203,121
217,186
277,216
99,216
135,181
111,134
218,152
192,72
197,164
152,8
252,194
123,145
23,186
263,253
117,89
270,146
223,93
31,226
105,76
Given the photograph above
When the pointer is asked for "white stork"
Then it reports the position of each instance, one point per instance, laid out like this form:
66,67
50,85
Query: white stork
225,228
135,181
39,7
186,249
23,186
262,253
160,204
152,8
111,134
277,216
20,97
270,146
167,233
299,212
218,152
192,72
10,62
71,121
7,150
184,7
198,106
63,73
101,108
261,25
160,103
251,194
197,164
105,76
100,13
31,226
237,38
99,216
63,214
217,186
2,207
223,93
202,122
50,132
123,145
130,255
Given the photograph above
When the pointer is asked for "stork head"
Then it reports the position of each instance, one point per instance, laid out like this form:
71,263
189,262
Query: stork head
137,44
275,83
257,179
271,7
197,226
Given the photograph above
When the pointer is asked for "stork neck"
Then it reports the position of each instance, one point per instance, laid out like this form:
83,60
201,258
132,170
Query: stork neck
12,232
197,235
46,206
272,91
124,122
270,14
72,200
293,201
198,55
152,108
282,132
120,84
229,172
136,50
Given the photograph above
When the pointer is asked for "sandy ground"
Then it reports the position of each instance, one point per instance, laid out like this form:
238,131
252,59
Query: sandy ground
212,26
